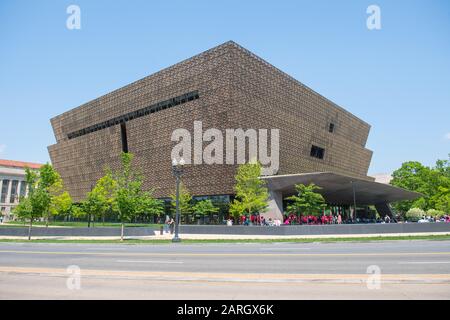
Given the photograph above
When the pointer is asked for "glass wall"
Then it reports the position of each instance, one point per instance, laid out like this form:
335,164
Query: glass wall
222,202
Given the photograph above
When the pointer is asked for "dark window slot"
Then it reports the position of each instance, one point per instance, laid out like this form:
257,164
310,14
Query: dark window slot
317,152
331,127
136,114
123,132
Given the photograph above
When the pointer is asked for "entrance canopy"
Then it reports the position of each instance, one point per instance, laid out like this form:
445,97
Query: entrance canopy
338,189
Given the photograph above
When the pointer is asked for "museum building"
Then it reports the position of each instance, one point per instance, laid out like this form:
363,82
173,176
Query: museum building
224,87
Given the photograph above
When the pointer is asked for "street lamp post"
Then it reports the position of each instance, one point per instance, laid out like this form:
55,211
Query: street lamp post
177,169
354,200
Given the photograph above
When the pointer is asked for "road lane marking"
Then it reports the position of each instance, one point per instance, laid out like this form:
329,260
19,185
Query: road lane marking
283,249
150,261
235,277
425,262
244,254
106,249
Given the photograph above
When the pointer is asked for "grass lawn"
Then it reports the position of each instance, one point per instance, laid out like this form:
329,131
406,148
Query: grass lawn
77,224
190,241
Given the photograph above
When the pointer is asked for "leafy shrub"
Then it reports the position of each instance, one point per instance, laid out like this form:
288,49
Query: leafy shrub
414,214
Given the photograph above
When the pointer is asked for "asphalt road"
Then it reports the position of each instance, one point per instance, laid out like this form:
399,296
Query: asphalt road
345,270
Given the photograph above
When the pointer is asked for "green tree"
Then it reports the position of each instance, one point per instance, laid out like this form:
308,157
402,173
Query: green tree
106,187
95,204
441,198
435,213
49,185
130,200
77,211
443,167
102,198
442,201
127,203
432,183
148,206
60,204
37,202
45,196
203,208
410,176
128,188
237,209
251,191
185,202
24,211
307,201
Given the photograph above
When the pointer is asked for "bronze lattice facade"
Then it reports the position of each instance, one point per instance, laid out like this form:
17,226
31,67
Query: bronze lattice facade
224,87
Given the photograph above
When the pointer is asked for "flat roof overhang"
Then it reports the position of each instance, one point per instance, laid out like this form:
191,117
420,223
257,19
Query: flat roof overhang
338,189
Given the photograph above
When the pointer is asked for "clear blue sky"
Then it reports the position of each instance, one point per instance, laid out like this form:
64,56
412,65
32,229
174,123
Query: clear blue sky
397,78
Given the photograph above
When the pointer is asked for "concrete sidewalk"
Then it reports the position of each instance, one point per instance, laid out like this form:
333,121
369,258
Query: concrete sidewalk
168,236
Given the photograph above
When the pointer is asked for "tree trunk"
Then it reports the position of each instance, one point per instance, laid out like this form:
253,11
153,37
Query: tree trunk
46,221
29,228
89,220
121,232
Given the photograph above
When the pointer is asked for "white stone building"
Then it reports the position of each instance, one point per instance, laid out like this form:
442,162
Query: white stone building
12,185
382,177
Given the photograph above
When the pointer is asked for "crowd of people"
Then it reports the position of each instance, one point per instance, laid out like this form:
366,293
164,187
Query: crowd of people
289,219
310,219
293,219
445,218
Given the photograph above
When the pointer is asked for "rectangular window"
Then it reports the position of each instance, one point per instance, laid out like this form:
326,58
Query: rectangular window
5,187
23,189
317,152
14,186
331,127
